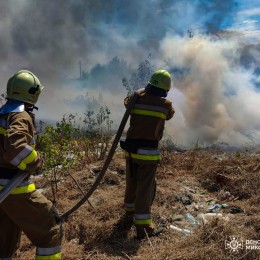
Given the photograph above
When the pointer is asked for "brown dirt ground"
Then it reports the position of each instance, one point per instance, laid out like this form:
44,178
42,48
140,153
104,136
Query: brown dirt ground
100,231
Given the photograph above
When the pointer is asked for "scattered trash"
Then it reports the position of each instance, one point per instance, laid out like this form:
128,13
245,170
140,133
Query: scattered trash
163,220
183,231
235,209
211,202
225,195
203,218
177,217
214,208
186,199
191,220
198,207
217,207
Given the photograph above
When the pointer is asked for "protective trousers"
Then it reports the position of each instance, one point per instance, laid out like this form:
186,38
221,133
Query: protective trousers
140,190
33,214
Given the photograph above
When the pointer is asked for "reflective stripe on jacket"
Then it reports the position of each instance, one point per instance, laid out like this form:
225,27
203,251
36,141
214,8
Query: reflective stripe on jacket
147,110
26,156
146,155
21,189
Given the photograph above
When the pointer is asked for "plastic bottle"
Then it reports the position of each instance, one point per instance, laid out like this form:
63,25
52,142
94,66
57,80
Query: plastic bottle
204,217
183,231
191,219
215,207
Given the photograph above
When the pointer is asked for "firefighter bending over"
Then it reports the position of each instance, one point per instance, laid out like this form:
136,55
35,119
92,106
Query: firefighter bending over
25,209
141,149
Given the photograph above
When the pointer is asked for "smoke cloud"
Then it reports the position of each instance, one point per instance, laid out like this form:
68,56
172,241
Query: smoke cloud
219,98
215,71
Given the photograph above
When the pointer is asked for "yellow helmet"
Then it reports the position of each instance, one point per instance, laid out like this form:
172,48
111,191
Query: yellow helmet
161,79
24,86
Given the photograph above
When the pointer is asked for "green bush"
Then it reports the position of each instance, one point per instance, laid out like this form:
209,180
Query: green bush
70,143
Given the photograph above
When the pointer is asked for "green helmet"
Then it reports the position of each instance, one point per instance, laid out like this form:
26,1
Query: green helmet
24,86
161,79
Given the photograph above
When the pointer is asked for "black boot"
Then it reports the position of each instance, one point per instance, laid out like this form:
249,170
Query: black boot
145,230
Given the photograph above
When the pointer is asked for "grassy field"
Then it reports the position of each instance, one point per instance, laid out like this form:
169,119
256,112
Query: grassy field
187,182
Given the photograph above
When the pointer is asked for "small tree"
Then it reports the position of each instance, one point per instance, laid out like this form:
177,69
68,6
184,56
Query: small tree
60,151
140,78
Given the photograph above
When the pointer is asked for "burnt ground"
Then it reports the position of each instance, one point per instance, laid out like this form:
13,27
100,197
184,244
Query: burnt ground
190,181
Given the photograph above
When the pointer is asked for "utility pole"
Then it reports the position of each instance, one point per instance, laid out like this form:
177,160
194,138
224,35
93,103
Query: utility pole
80,70
190,34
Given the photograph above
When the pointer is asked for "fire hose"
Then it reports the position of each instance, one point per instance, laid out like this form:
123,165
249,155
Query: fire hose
108,159
19,177
16,180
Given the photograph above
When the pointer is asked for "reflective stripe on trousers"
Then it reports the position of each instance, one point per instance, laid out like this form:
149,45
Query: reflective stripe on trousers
143,219
130,207
51,253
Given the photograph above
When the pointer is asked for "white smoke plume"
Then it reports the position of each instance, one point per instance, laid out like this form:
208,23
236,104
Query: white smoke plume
220,102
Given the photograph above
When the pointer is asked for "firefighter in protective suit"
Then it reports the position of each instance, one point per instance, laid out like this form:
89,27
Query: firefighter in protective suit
25,209
147,120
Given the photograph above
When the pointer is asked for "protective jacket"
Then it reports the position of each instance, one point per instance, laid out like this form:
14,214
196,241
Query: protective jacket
17,139
146,126
149,111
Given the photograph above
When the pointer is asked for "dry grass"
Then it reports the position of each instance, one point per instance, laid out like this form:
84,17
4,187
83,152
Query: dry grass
101,231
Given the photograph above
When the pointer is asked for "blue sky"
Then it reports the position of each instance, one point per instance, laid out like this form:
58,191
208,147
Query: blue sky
245,17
